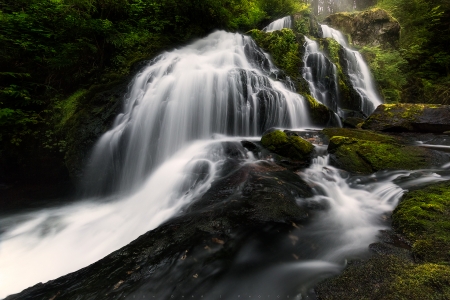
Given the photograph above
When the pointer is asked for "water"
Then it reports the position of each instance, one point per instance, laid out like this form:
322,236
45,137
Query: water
321,75
146,168
358,72
279,24
165,150
219,84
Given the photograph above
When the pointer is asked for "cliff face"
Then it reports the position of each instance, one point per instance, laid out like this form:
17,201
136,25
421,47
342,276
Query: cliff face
373,27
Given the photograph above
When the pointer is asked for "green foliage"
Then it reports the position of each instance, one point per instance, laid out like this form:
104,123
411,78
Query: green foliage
424,46
388,67
282,46
52,48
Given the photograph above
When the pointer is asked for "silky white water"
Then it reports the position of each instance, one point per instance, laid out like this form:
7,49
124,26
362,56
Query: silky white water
358,72
321,75
151,156
353,214
279,24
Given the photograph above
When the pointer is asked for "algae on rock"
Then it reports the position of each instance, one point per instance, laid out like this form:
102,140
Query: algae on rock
410,117
423,217
366,152
292,146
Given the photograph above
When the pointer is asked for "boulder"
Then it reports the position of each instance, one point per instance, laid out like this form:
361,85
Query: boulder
409,118
292,146
411,263
374,27
189,255
364,152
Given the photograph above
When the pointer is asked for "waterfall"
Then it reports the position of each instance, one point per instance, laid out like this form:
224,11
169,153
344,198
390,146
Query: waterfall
163,152
358,72
219,84
321,75
279,24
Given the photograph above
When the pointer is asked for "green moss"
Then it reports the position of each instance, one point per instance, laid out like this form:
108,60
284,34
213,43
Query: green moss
388,277
359,134
293,147
282,46
424,217
365,156
397,117
68,107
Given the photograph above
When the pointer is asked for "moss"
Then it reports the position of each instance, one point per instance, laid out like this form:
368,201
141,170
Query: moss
282,46
320,114
359,134
388,277
293,147
365,156
408,117
68,107
424,217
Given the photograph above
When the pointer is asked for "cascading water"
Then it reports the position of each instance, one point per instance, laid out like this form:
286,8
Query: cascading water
279,24
217,85
358,72
321,75
166,149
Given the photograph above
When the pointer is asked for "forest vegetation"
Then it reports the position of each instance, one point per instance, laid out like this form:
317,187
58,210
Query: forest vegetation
54,51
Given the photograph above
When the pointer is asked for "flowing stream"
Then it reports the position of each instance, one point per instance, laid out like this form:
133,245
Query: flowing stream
166,149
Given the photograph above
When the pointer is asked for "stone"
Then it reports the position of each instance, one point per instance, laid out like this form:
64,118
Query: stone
431,118
292,146
375,153
374,27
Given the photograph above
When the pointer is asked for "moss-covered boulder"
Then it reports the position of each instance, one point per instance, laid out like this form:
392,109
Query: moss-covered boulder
374,27
388,277
292,147
396,271
410,118
359,134
363,152
423,217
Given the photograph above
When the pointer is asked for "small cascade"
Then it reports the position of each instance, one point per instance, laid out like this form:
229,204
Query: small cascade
279,24
358,72
321,75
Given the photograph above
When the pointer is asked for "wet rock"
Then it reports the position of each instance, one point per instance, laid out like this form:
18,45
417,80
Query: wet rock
292,147
189,254
373,27
396,270
352,122
422,216
409,118
365,152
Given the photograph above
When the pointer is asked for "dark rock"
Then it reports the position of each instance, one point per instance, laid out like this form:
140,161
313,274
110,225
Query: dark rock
373,27
292,147
360,151
352,122
409,118
190,253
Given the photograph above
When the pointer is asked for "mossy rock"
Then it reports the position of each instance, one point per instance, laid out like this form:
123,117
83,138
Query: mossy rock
374,27
359,134
368,156
388,277
423,217
292,147
409,118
